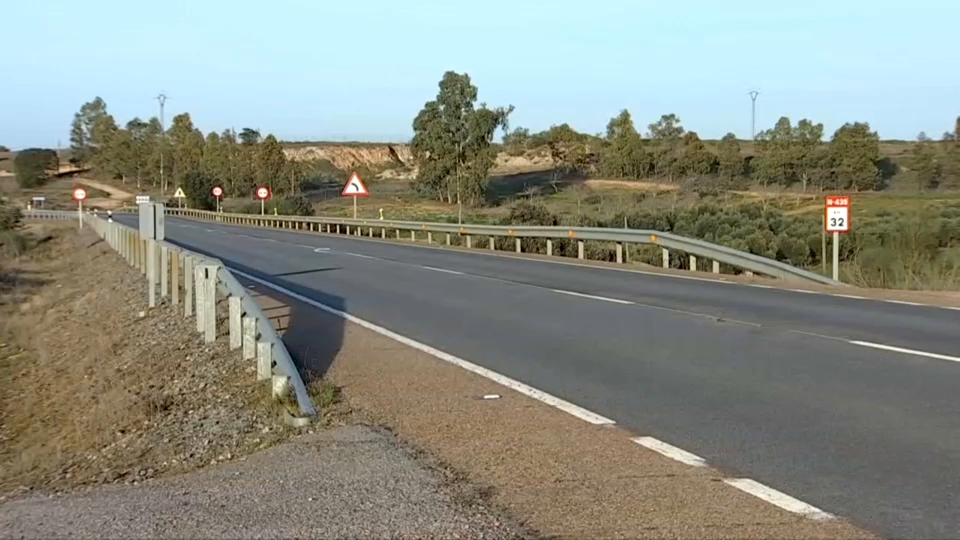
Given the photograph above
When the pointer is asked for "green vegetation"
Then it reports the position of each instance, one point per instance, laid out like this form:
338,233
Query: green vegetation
32,166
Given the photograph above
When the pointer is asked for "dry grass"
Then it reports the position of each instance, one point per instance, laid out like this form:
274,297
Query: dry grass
94,388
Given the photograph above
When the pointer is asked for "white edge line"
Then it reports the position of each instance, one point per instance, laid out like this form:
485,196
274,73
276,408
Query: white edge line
518,386
444,270
670,451
777,498
904,302
581,265
358,255
592,297
904,351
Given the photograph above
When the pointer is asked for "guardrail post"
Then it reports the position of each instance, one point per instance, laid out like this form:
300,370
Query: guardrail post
338,228
151,273
619,252
666,257
517,242
371,232
549,247
748,273
281,385
693,263
144,255
207,302
492,243
235,306
716,267
348,230
383,233
580,249
469,241
249,328
429,237
264,360
187,286
448,239
175,277
199,290
164,271
398,234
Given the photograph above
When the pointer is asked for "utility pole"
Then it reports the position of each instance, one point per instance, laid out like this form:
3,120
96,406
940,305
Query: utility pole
162,99
753,114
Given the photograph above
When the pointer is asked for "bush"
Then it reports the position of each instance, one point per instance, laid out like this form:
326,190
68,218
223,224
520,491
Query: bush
294,205
31,166
10,217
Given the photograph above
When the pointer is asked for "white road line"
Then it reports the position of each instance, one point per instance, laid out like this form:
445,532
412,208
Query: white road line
853,296
804,291
359,255
670,451
904,302
592,297
444,270
905,351
777,498
518,386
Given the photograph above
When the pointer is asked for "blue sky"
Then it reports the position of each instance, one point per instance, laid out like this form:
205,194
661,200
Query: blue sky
362,69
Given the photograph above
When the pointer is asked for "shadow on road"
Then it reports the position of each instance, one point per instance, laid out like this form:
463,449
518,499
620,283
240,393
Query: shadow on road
313,335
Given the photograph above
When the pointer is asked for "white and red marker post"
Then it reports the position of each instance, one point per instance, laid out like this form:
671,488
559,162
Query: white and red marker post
217,193
263,193
355,188
79,195
836,214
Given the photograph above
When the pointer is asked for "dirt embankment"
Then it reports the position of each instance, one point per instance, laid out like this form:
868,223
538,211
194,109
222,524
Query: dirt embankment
95,388
347,157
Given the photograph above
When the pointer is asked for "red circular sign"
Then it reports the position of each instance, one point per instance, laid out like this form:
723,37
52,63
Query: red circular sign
217,191
79,194
263,192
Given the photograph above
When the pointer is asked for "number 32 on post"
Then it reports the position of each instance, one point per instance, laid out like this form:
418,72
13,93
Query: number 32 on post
837,215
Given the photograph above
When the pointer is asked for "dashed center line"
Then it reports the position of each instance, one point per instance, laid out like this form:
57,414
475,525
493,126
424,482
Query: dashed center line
444,270
593,297
905,351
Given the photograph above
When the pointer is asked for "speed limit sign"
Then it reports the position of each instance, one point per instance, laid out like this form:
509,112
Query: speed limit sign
263,193
217,191
837,214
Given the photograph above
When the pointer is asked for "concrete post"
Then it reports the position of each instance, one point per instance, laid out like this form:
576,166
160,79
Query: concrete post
580,249
517,243
144,255
492,244
469,241
348,230
413,236
199,290
429,237
164,271
208,274
716,267
338,228
619,252
187,286
264,360
398,234
693,263
448,239
249,328
748,273
549,247
281,385
175,277
151,273
666,257
383,233
235,306
371,232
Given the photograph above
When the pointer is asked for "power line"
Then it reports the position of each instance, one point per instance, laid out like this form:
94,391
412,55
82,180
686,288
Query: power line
753,114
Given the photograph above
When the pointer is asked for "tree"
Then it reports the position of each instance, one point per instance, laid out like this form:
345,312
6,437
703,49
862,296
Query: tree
31,166
624,154
854,152
249,137
666,135
186,148
925,163
452,141
695,158
774,160
270,165
81,130
807,160
198,188
730,160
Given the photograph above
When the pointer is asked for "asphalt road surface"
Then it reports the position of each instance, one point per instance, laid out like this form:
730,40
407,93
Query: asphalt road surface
784,387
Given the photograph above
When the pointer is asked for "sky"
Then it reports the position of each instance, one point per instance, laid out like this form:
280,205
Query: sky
362,69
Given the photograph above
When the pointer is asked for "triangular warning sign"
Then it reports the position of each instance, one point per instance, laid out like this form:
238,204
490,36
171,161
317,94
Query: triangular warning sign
355,187
179,194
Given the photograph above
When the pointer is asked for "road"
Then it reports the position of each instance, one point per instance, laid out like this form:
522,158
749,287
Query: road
784,387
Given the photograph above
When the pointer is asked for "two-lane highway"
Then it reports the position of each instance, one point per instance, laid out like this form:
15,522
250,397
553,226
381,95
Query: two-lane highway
784,387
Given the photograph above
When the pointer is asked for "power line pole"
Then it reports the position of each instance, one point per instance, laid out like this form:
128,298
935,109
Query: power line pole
162,98
753,114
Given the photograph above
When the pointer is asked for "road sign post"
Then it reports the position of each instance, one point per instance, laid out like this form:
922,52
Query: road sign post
179,195
79,195
217,193
836,221
263,193
355,188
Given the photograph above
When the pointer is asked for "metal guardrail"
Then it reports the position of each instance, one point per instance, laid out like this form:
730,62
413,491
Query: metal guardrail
750,263
201,278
